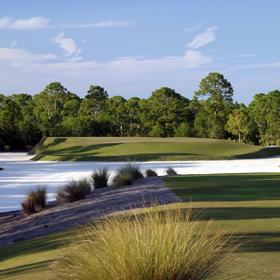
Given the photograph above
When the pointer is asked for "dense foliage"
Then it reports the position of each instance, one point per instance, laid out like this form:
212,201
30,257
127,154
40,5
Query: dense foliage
55,111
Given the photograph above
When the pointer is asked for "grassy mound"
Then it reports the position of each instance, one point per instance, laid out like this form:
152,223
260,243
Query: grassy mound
144,149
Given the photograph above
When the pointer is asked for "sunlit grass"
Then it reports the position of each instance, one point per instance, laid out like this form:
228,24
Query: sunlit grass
152,246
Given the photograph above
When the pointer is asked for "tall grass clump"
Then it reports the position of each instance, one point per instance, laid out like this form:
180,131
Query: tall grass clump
99,178
171,172
73,191
151,173
126,175
150,246
35,201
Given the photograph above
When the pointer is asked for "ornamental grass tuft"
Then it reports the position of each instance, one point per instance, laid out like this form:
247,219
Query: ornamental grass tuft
152,245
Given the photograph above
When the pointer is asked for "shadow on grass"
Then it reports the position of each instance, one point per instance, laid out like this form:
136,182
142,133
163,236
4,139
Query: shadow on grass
24,268
262,153
38,245
258,242
91,153
236,213
226,187
41,146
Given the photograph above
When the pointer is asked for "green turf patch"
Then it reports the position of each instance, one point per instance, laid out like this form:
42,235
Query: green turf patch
247,205
144,149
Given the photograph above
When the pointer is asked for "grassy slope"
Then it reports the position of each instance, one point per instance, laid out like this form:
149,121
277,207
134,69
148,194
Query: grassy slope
144,148
248,205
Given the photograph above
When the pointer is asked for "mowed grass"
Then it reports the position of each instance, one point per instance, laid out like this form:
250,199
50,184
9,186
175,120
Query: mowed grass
144,149
246,205
30,259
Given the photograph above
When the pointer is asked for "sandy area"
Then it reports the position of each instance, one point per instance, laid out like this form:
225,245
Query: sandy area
20,174
14,226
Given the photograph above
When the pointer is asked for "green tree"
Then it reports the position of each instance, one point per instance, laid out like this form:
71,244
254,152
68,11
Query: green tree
215,86
167,109
212,117
9,133
264,110
117,112
94,102
238,123
27,124
48,108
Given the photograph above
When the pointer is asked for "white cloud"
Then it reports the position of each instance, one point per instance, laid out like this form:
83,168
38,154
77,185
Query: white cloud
68,45
24,24
13,55
196,58
100,24
203,38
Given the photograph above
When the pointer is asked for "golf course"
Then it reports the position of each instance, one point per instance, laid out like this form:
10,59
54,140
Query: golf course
245,205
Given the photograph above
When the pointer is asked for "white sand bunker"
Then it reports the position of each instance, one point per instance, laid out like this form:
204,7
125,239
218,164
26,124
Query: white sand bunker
20,174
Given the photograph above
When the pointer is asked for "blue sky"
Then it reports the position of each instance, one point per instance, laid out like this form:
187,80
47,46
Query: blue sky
134,47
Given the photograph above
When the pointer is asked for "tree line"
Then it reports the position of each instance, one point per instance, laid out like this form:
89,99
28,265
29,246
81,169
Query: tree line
25,119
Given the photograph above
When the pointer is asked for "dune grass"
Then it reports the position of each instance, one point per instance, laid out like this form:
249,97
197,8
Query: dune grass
246,205
144,149
156,245
99,178
126,175
73,191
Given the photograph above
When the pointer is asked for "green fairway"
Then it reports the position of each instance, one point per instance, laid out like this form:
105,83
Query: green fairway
145,149
246,205
29,260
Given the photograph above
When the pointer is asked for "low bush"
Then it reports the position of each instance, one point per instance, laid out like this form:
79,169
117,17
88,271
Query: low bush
41,198
126,175
99,178
73,191
151,173
35,201
153,245
121,181
131,170
170,171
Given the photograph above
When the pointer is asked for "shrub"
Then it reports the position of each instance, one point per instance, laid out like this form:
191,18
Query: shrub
41,198
122,180
73,191
153,245
151,173
131,170
170,171
35,201
28,205
126,175
100,178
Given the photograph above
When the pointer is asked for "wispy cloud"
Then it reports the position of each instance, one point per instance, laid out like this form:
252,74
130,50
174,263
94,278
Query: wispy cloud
24,24
100,24
68,45
203,38
12,55
193,28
